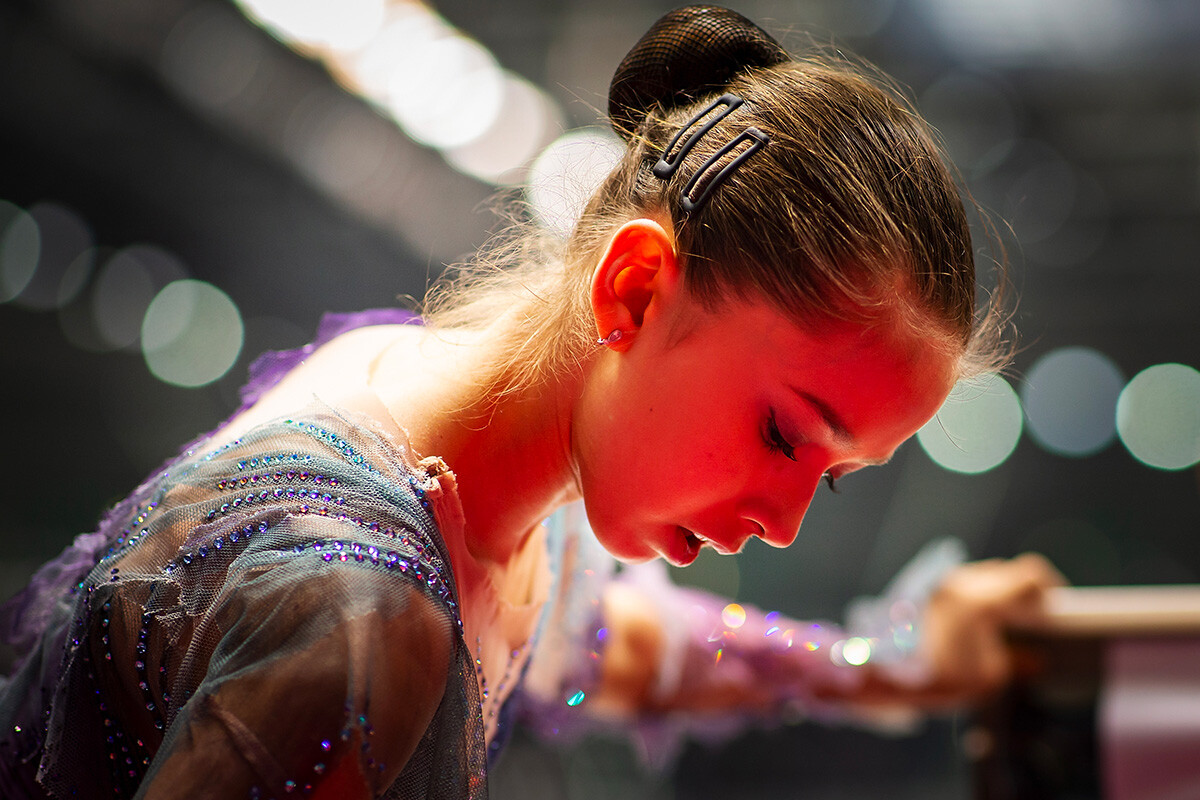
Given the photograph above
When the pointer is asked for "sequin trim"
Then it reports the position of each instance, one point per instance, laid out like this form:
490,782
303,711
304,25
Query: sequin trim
338,443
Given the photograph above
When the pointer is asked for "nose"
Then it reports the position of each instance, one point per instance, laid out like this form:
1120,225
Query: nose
776,512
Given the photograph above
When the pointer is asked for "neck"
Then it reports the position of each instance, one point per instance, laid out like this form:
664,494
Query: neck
512,458
510,453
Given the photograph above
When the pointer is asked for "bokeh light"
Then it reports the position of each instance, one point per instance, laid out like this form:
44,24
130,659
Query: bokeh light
733,616
856,651
192,333
977,427
566,174
441,87
397,46
447,93
20,248
1041,195
76,317
1028,30
341,146
1158,416
527,124
120,296
75,278
344,25
124,288
211,56
1070,400
975,117
64,237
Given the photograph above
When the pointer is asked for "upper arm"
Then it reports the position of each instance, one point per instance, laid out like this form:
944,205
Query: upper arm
325,684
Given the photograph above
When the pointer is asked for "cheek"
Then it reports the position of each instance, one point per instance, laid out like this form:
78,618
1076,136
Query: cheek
660,469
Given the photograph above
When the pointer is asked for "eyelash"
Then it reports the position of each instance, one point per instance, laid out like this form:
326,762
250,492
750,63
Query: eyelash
777,444
774,438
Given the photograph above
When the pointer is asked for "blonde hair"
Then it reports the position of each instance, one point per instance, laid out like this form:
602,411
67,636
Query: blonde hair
850,200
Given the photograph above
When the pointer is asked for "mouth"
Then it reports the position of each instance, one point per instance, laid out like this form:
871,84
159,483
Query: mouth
685,547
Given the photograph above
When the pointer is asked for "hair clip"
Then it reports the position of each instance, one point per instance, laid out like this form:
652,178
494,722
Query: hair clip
756,138
672,158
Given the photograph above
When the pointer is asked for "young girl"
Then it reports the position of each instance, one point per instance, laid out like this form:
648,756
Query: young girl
336,592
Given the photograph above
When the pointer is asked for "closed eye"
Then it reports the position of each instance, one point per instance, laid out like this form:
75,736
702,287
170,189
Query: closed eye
776,443
775,440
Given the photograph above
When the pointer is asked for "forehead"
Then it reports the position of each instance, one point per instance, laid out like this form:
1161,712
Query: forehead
847,363
892,342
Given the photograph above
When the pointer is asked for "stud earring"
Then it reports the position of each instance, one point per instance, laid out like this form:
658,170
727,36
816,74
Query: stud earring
615,336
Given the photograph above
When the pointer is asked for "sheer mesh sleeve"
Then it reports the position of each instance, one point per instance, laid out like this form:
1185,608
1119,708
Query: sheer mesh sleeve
316,663
262,618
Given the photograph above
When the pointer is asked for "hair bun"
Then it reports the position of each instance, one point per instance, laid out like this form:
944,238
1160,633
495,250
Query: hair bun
689,53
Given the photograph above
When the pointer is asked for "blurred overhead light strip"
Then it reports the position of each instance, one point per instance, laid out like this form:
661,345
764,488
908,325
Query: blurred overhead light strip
222,65
443,89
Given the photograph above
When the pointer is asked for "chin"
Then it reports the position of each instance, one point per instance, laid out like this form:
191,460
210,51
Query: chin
624,548
631,560
627,554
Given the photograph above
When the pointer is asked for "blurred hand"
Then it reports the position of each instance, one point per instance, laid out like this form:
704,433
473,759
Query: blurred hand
963,636
966,620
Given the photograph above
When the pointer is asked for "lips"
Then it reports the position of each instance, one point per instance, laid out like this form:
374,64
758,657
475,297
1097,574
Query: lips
685,546
719,547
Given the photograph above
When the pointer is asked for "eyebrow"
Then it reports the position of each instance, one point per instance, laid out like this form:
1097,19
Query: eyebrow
834,420
836,424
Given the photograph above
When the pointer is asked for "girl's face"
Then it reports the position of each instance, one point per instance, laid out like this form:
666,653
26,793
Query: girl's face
712,428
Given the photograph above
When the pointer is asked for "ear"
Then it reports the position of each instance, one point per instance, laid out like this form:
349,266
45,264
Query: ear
638,268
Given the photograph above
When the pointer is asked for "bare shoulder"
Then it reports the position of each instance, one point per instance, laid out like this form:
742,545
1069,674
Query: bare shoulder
337,374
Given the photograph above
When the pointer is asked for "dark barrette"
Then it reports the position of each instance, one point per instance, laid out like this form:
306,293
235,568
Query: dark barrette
672,158
706,180
754,140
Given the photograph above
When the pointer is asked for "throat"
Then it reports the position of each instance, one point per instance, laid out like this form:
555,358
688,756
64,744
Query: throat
512,459
510,453
507,497
500,619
